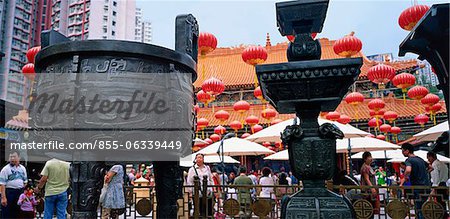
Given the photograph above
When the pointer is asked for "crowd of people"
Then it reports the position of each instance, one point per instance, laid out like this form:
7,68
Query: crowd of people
239,186
413,172
20,196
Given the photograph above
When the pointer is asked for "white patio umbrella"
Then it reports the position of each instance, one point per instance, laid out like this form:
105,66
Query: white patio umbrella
272,133
432,133
281,155
188,161
237,147
363,144
396,156
357,144
199,141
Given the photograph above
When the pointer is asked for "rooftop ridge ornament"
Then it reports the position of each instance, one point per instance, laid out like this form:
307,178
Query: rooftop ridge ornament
306,86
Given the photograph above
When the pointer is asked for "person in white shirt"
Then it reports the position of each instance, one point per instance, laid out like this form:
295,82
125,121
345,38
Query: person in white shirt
13,178
267,180
200,170
439,177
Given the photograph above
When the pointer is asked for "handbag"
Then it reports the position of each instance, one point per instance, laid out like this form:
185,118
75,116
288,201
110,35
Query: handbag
103,193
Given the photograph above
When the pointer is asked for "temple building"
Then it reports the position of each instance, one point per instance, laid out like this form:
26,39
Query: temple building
240,81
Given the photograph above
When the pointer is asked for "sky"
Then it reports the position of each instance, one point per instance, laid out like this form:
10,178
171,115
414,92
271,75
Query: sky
375,22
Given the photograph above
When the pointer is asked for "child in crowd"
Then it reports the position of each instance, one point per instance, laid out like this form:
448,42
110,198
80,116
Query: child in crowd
27,202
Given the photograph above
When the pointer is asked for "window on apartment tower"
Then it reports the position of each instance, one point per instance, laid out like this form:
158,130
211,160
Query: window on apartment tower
114,3
114,13
113,33
114,23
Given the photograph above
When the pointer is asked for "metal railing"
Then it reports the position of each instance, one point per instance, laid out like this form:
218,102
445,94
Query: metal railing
205,201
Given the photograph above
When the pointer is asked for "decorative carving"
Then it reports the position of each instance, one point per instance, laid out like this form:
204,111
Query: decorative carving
330,131
397,209
186,35
363,209
86,184
262,207
231,207
432,210
144,207
291,132
87,177
304,48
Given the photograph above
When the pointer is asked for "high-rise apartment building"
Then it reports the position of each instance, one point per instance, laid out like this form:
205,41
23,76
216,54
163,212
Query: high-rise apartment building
17,19
143,29
22,21
94,19
146,32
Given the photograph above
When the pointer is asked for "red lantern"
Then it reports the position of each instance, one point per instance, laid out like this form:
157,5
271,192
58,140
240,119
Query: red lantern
236,125
404,81
220,130
215,137
245,135
381,74
390,116
344,119
354,98
209,141
31,54
386,128
410,16
28,71
251,120
436,107
207,43
291,38
202,123
254,55
376,104
371,136
374,122
333,116
433,110
268,113
421,119
417,92
371,113
196,109
213,86
379,114
271,148
279,145
241,106
258,93
347,46
204,97
222,115
275,121
430,99
381,137
256,128
396,130
266,144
